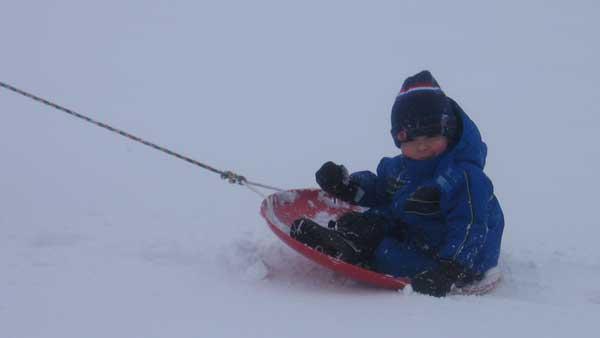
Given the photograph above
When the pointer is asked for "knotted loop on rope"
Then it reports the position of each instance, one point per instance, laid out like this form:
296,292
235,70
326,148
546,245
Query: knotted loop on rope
233,178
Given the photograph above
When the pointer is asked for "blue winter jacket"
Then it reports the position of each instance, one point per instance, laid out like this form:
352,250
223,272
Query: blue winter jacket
445,206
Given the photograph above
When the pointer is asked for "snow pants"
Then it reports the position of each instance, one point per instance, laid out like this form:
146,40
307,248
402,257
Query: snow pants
400,259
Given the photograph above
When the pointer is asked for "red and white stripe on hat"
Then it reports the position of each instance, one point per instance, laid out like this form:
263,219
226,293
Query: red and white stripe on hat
419,87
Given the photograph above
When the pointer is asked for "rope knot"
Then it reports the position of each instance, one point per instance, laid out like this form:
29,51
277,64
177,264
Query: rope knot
233,178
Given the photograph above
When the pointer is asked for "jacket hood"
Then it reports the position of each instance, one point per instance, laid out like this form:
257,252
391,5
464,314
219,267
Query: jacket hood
469,148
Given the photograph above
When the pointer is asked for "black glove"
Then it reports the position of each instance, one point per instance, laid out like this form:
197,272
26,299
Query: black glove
335,180
438,281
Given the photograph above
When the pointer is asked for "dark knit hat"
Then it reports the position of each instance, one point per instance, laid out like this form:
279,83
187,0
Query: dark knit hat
422,109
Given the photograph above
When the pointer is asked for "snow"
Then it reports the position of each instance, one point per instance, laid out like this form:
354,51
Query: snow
323,218
102,237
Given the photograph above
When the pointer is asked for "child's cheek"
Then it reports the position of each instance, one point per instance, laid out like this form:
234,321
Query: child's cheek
440,148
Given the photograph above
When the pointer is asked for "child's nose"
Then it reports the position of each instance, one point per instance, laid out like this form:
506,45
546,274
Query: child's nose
422,146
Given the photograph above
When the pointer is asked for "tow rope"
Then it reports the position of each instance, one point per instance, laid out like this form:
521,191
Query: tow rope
230,176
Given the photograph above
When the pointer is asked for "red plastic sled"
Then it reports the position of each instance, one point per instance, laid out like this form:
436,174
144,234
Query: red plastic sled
282,208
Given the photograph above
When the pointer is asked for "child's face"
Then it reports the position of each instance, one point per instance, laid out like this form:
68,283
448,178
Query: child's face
424,147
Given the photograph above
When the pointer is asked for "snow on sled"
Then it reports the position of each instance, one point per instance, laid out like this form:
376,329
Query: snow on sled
282,208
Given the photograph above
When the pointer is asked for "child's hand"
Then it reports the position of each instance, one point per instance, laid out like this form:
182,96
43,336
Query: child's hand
332,178
335,180
438,281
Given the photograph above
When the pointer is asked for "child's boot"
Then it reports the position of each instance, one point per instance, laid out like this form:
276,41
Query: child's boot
327,241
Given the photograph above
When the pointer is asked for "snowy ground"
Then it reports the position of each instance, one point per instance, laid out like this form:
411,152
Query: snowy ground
101,237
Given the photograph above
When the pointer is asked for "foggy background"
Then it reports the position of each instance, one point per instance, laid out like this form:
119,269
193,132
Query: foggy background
271,90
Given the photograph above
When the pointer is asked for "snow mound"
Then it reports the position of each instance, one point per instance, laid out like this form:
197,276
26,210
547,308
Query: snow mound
243,259
261,257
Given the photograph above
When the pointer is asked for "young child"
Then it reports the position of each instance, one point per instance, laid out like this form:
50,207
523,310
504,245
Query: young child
433,214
